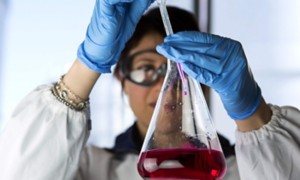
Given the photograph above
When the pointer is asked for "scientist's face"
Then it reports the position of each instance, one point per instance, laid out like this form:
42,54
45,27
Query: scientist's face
144,79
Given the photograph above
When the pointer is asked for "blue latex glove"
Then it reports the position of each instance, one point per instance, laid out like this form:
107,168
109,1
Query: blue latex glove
219,63
112,24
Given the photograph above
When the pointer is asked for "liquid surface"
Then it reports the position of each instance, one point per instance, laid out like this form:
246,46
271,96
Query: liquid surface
200,164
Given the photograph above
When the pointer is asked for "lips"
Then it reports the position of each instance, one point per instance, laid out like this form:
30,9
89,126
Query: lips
153,104
170,107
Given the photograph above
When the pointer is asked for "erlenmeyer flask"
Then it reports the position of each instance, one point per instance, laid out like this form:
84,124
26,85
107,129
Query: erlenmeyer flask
181,141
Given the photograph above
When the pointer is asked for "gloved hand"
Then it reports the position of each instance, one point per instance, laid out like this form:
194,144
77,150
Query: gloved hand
112,24
219,63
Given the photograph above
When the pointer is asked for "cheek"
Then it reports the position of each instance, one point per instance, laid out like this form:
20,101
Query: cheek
136,95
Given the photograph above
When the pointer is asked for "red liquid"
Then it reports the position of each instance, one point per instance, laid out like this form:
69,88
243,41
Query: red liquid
200,164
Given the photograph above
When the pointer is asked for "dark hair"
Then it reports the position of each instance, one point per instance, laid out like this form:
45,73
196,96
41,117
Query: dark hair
151,22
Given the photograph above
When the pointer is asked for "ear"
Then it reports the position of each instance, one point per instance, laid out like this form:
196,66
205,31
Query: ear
124,89
121,79
118,75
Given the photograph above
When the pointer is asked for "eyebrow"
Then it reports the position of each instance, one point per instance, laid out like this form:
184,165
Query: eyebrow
144,59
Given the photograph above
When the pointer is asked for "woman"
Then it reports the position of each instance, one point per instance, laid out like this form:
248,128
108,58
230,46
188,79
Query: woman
49,128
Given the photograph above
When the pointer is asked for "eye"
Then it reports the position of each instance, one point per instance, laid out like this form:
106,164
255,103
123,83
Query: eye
146,67
144,73
148,71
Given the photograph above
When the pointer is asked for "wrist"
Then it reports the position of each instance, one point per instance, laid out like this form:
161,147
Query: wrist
80,79
259,118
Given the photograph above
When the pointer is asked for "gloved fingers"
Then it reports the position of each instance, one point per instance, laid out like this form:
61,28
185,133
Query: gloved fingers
105,8
137,9
203,76
117,14
106,22
192,40
189,46
118,1
191,55
135,12
194,36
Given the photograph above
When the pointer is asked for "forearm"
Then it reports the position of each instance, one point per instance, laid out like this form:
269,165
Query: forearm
80,79
261,117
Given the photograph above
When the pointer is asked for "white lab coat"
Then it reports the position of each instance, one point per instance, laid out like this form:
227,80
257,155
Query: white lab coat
44,140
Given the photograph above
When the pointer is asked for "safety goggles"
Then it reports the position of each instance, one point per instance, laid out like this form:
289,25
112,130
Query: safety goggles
145,73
